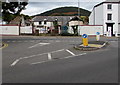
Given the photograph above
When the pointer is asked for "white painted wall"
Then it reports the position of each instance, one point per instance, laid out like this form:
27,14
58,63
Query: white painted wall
26,30
91,18
89,30
119,19
98,15
36,23
101,17
73,23
9,30
114,13
48,24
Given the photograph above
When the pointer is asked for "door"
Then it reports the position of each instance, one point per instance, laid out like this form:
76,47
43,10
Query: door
110,29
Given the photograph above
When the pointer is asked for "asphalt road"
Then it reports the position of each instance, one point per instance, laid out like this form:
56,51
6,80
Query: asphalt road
53,60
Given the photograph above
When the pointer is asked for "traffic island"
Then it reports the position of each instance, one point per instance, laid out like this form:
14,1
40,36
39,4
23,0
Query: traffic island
1,44
92,45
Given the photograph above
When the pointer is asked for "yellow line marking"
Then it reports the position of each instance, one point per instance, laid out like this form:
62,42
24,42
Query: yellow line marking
5,45
93,45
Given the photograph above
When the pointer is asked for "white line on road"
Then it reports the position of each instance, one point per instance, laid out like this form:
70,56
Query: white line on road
74,56
41,54
59,58
39,62
70,52
49,54
15,62
39,44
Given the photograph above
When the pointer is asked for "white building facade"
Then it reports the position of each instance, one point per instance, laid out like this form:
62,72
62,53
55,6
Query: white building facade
107,14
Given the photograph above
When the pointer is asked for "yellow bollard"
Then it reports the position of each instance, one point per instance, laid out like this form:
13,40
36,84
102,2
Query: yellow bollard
85,41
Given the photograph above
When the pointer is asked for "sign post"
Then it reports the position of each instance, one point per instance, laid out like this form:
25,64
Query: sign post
97,36
85,39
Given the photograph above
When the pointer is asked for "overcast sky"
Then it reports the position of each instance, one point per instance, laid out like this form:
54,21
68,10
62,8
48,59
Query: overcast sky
39,6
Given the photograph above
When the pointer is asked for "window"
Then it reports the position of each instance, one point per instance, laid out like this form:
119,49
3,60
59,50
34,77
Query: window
40,22
109,17
109,6
45,22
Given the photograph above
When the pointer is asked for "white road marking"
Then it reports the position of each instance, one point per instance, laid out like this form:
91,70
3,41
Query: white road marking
59,58
74,56
39,44
15,62
8,41
49,56
70,52
41,54
38,62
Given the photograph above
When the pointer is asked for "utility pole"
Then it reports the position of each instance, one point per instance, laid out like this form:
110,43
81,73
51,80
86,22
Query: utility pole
78,9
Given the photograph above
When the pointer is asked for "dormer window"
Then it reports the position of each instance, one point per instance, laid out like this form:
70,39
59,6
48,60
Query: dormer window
109,6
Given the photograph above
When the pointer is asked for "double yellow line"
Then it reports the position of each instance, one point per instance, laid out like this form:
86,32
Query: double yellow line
4,45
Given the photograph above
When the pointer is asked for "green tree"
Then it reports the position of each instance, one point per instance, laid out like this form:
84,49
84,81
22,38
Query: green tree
12,8
55,23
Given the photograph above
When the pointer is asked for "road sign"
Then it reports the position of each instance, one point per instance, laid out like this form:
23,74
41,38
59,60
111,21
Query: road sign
98,33
85,39
84,36
97,36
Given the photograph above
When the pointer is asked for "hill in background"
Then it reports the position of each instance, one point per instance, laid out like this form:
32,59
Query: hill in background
65,11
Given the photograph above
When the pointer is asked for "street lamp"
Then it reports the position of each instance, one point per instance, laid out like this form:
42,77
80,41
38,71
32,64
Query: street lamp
78,8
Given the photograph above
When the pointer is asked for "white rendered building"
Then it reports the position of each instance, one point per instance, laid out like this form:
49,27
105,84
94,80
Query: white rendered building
107,14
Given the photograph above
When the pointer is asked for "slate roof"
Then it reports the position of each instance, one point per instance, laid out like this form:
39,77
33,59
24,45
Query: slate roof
76,19
108,1
63,19
112,1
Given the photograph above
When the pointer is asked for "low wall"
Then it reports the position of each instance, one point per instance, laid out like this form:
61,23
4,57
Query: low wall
9,30
88,29
26,30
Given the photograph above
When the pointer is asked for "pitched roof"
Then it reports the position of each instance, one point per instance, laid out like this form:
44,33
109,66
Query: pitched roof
16,20
112,1
108,1
63,19
76,19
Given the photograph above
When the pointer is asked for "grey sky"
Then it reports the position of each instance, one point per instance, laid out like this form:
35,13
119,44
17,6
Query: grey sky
39,6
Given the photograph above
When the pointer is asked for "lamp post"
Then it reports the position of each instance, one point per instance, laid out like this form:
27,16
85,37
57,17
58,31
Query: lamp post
78,8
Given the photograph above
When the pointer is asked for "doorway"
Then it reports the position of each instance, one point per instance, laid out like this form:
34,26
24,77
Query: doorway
110,28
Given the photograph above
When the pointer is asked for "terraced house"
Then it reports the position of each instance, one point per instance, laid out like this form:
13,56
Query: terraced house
107,14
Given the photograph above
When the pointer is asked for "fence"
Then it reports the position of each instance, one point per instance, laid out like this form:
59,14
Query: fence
88,29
